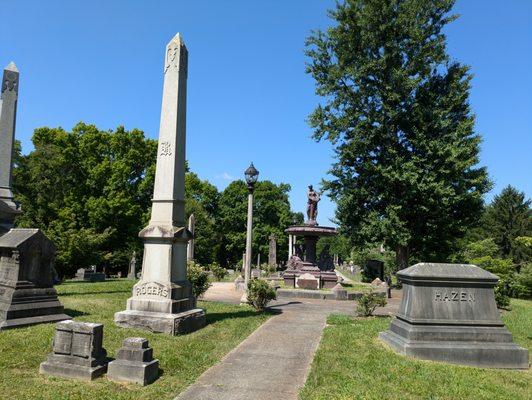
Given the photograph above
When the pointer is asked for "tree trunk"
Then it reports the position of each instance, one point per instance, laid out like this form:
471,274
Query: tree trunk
401,257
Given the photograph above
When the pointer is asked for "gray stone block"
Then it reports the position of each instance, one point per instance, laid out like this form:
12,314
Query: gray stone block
134,363
172,324
77,351
448,313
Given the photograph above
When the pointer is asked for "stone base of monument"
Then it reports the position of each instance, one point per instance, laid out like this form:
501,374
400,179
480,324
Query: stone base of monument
27,295
324,279
448,313
171,324
134,363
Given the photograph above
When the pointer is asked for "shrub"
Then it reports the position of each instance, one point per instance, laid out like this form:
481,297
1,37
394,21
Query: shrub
198,277
521,284
218,272
260,293
367,303
268,269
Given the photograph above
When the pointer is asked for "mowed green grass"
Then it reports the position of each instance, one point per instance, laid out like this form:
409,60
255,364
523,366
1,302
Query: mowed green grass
182,358
351,363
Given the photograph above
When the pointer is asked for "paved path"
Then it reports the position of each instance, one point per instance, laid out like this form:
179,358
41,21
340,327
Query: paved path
273,362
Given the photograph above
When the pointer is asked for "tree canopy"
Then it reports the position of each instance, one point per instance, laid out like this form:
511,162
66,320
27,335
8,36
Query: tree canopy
395,107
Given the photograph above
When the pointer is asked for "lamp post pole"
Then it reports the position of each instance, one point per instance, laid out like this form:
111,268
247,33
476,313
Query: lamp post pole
251,175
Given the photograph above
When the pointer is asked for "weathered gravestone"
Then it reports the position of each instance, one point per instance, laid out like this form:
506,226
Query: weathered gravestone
89,275
77,351
272,251
134,363
27,295
448,313
132,273
162,300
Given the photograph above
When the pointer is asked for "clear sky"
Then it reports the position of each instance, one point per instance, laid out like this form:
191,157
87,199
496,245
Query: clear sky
101,62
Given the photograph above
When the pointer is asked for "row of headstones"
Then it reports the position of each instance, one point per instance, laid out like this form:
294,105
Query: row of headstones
78,353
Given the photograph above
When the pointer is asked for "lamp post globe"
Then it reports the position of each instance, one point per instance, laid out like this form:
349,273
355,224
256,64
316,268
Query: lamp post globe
252,175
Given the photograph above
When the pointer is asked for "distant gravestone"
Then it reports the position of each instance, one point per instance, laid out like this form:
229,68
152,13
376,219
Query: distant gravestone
132,273
89,275
134,363
272,251
307,281
448,313
27,294
77,351
340,293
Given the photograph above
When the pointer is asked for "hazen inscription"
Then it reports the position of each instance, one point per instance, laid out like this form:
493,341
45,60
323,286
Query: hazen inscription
151,289
454,296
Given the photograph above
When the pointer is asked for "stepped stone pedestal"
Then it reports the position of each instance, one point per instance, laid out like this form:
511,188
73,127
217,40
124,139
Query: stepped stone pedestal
134,363
27,295
77,351
448,313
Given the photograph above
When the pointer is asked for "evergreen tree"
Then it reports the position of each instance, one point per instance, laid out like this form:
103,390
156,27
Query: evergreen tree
396,111
508,217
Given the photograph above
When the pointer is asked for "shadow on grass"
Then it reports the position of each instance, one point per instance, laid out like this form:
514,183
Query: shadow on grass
212,318
95,292
74,313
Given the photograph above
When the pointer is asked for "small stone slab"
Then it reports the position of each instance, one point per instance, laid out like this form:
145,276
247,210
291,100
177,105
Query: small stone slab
340,293
307,281
77,351
134,363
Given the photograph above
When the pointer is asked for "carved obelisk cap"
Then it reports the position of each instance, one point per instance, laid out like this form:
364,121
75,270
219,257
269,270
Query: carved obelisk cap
8,112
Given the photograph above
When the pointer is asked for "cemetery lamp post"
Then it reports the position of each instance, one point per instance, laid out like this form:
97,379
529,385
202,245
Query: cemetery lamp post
251,175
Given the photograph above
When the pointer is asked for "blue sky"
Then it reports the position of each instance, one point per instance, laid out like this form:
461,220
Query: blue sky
248,96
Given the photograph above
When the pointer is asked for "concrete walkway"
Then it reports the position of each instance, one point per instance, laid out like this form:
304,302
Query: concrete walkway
273,362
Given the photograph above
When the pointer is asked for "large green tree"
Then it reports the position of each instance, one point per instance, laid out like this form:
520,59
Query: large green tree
508,217
89,191
396,110
271,216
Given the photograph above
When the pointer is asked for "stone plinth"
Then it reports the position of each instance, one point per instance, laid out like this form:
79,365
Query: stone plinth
27,295
134,363
448,313
77,351
307,281
88,275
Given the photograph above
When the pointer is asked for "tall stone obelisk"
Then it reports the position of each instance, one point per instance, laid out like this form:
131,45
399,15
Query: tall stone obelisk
162,300
8,114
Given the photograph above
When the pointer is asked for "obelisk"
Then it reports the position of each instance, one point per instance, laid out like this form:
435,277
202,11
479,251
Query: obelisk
162,300
8,114
191,228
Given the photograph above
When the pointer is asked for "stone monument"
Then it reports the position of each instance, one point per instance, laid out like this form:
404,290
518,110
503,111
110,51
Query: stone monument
304,261
89,275
27,294
77,351
190,246
8,114
272,251
134,363
162,300
132,273
448,313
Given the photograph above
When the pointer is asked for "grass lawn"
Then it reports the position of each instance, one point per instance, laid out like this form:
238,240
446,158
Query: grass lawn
351,363
182,358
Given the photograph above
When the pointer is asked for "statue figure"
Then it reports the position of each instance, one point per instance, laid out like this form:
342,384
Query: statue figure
312,204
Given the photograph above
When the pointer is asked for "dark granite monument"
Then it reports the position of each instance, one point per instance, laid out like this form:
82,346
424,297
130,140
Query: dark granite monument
448,313
89,275
134,363
77,351
27,294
